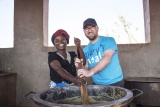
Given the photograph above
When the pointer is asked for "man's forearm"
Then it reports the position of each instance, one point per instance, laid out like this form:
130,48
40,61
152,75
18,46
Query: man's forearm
100,66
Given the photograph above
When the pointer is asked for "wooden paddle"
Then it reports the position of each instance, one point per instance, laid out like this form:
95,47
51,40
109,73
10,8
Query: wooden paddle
84,92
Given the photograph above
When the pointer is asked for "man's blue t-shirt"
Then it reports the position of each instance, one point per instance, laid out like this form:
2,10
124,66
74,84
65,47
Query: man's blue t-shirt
94,53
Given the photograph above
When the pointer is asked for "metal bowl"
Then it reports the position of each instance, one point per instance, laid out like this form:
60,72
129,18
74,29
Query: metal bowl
99,96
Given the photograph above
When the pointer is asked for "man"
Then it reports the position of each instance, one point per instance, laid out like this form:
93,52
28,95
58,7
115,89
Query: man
102,57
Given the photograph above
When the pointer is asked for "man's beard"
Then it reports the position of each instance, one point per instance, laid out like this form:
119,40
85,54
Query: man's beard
91,39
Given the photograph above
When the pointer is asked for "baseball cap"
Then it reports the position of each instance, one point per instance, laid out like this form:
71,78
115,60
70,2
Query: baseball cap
89,21
60,32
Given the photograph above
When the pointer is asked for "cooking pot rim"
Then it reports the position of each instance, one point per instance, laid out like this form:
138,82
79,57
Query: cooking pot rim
122,101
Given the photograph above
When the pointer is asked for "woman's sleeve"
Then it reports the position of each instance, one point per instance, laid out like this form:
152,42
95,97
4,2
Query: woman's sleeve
51,57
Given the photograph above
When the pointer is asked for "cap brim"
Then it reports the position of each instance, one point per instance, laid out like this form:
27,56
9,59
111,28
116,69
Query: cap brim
88,24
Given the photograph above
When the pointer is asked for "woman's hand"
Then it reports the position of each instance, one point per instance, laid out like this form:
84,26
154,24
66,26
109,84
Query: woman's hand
77,42
79,81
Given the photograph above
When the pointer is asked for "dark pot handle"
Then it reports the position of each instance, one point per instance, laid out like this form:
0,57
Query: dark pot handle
27,95
136,92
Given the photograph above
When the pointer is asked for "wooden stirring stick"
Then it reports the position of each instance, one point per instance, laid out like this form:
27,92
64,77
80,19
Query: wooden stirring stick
84,92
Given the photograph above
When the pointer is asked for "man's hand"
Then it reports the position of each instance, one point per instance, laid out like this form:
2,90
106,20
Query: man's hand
84,73
78,61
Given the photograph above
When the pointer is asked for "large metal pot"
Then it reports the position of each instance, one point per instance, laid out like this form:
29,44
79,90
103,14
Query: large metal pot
150,87
69,96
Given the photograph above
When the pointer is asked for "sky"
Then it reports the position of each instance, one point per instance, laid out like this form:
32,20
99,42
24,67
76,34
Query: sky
70,14
6,23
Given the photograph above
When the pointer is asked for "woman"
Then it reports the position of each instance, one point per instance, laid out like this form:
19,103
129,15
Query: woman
61,62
